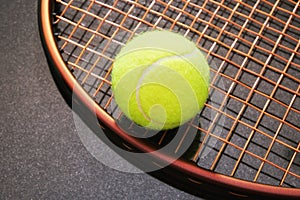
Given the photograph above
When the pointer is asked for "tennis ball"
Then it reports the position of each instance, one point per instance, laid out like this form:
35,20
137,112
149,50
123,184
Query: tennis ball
160,80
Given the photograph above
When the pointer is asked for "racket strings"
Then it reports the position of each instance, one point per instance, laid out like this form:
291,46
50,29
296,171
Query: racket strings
250,124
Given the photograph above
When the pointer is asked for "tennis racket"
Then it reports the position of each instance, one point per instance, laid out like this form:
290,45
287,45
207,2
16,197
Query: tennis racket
246,140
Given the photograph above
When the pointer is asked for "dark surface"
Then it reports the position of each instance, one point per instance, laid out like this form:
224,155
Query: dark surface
40,150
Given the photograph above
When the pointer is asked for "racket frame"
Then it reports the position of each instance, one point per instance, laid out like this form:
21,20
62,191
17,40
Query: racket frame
180,173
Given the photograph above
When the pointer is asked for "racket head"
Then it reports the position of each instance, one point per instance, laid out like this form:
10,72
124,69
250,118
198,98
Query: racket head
192,178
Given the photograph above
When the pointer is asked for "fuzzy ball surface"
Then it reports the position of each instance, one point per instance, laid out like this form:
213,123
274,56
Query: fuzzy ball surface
160,80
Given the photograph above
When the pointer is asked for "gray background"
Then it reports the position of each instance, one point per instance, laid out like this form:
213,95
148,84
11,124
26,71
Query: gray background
41,155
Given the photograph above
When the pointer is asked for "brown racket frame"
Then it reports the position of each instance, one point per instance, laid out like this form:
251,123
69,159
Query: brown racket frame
182,174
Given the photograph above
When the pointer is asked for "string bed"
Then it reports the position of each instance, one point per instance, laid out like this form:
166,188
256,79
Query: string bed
249,127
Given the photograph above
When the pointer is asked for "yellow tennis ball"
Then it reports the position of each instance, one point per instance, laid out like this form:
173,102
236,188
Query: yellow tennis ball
160,80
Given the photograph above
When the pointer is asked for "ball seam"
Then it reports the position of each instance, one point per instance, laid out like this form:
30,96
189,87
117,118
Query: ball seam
148,69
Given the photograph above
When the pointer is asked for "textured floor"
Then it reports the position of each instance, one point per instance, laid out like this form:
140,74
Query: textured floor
41,155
